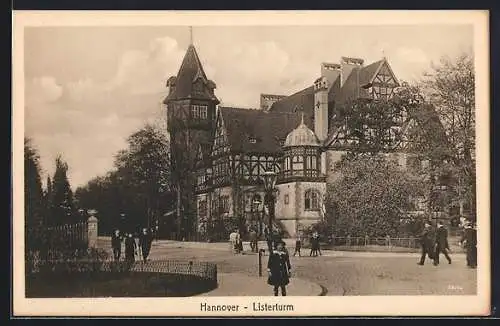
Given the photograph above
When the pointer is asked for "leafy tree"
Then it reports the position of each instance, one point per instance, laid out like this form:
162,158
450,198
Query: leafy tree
33,194
138,187
450,86
62,210
371,196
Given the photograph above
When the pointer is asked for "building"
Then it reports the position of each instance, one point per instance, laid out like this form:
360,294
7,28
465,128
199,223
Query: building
222,152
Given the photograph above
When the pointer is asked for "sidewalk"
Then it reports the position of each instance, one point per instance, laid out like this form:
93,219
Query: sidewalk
224,246
241,285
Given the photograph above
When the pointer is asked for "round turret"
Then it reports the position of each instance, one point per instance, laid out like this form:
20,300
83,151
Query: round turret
301,136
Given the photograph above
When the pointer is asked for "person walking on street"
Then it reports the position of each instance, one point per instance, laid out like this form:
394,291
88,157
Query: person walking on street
137,245
253,240
238,245
278,267
442,245
298,245
116,244
232,241
145,241
427,243
469,241
130,248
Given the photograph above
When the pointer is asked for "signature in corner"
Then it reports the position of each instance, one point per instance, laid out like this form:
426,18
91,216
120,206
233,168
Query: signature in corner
455,287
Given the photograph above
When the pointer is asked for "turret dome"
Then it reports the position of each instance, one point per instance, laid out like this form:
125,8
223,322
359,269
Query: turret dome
301,136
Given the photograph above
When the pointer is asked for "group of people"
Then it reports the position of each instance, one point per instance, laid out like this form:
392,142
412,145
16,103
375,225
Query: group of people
315,245
136,245
434,242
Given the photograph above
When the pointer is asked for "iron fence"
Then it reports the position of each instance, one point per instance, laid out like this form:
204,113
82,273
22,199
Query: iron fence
409,242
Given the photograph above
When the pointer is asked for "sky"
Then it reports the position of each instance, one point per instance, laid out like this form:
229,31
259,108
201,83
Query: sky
88,88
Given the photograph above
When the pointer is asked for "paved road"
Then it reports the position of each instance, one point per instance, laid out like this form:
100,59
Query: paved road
344,273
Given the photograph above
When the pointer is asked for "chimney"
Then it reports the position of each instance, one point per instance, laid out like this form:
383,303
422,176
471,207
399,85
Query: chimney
331,71
267,100
347,64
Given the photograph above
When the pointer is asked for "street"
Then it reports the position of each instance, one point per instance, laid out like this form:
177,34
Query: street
340,273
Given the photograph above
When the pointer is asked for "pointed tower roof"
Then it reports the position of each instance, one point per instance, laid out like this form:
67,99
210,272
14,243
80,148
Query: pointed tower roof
190,72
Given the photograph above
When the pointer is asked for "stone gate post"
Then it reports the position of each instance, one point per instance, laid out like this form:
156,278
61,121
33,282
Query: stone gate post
92,231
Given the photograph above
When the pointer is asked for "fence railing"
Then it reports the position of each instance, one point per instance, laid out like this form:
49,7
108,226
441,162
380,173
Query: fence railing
409,242
53,242
204,270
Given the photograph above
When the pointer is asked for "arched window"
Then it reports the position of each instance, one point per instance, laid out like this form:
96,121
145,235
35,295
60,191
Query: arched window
311,200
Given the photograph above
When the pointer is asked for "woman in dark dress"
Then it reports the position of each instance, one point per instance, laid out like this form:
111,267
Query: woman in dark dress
130,248
279,268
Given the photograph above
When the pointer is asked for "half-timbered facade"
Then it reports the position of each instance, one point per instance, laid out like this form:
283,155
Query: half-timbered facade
300,137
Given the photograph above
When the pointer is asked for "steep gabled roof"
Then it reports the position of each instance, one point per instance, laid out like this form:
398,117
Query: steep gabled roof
300,101
268,129
190,71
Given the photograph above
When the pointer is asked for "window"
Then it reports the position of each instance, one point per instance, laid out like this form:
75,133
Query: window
287,199
311,200
298,163
252,140
199,112
287,163
202,209
224,204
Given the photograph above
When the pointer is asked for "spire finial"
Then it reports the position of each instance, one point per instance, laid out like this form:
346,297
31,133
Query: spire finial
190,35
383,54
302,117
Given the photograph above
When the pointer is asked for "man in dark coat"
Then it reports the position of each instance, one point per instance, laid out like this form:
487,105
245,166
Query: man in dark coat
442,245
130,247
253,240
278,267
145,240
427,243
116,244
469,240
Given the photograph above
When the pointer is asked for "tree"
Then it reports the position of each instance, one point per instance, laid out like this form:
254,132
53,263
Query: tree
371,196
62,210
450,86
146,166
33,194
138,187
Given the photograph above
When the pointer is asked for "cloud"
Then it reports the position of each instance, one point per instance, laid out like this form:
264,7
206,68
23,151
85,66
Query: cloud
43,89
88,121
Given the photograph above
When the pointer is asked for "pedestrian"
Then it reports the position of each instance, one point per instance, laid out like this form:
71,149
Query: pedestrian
116,244
137,245
145,241
237,245
232,241
279,268
314,245
469,241
253,240
269,239
298,245
130,248
318,244
442,245
427,243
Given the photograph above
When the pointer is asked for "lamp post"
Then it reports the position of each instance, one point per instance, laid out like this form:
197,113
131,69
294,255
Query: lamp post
269,198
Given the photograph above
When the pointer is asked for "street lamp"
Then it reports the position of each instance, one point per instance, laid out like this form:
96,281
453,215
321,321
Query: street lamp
269,198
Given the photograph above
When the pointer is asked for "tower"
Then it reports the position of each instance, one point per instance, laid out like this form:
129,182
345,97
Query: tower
191,107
